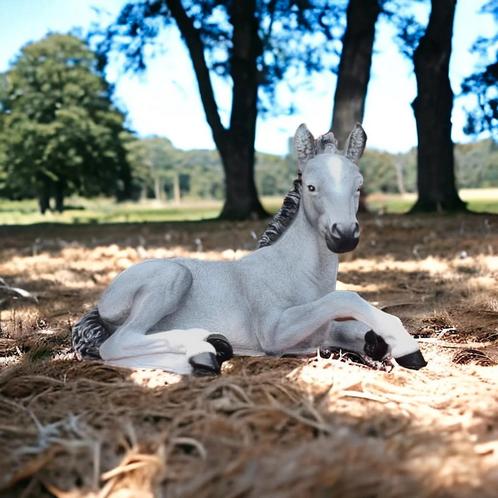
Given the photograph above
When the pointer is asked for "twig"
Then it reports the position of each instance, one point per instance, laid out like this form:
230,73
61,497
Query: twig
191,442
362,395
445,344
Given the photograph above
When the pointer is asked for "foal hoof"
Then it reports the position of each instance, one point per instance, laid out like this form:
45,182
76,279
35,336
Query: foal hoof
375,346
224,350
204,364
414,361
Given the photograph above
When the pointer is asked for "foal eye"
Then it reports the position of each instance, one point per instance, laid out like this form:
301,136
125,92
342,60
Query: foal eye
311,188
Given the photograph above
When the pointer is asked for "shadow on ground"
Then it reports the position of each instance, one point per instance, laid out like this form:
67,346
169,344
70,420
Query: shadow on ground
267,427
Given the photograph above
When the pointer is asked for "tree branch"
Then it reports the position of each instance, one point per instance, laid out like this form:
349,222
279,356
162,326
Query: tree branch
195,47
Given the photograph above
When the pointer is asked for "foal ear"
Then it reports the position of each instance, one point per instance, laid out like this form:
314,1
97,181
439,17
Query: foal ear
355,144
304,145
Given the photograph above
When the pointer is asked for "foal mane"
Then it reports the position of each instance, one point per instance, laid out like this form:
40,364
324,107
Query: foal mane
324,144
278,225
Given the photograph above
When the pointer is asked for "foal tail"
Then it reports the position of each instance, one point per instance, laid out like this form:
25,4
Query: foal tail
88,334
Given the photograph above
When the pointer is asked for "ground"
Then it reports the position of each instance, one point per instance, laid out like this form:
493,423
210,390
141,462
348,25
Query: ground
269,427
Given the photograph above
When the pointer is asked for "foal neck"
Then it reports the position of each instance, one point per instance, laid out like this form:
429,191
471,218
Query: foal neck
304,247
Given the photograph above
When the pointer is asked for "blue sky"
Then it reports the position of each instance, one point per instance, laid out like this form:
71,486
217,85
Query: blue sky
164,101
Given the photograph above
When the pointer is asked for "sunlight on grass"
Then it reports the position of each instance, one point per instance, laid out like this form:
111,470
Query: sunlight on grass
479,201
106,211
103,210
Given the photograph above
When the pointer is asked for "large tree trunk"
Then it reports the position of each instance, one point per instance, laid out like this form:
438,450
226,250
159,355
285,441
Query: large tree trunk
432,108
237,148
235,144
354,66
241,199
354,71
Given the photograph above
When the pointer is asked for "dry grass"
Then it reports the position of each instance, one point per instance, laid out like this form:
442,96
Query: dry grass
266,427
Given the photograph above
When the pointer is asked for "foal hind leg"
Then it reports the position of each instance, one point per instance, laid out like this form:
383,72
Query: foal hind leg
136,300
183,351
140,297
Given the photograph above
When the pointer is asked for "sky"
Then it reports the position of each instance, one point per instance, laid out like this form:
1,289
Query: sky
165,101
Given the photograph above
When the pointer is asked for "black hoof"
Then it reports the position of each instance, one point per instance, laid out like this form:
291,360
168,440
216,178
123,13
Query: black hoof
414,361
375,346
204,364
224,350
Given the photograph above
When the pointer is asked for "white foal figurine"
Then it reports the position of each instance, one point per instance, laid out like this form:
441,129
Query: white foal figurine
282,298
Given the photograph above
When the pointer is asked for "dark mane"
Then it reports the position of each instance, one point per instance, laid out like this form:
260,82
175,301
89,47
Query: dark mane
284,217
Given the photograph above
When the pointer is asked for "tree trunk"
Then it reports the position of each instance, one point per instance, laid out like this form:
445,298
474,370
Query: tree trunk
354,66
44,195
432,108
237,151
158,185
59,195
354,71
241,199
235,144
400,180
177,194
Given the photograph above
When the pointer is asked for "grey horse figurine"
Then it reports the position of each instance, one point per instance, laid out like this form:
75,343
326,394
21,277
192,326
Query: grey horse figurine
188,316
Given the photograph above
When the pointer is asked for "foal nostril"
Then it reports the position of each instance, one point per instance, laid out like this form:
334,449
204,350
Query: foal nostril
341,231
356,231
343,237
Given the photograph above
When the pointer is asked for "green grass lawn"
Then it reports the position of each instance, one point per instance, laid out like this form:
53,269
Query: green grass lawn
107,211
478,200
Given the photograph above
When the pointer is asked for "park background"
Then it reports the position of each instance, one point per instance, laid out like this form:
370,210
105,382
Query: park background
169,147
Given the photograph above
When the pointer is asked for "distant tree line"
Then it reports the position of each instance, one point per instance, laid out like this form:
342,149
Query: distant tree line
198,173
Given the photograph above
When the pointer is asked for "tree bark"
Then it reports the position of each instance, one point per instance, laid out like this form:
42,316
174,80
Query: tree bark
432,108
235,144
238,152
354,66
44,195
354,71
59,195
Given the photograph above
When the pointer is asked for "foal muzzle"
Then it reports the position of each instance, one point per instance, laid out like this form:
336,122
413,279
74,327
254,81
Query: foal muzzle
343,237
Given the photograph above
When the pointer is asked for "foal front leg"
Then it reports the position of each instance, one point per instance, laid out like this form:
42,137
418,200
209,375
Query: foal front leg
355,337
300,322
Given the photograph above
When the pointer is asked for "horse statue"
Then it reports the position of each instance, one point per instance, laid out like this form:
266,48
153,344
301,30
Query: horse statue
188,316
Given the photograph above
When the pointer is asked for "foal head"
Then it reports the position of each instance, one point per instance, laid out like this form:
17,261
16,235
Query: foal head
331,185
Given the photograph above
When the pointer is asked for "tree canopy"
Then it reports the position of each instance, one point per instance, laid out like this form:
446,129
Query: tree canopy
60,133
483,83
254,44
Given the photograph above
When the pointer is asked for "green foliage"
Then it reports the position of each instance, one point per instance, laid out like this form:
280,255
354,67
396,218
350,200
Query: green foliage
476,164
59,129
151,161
482,85
199,172
383,172
388,173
